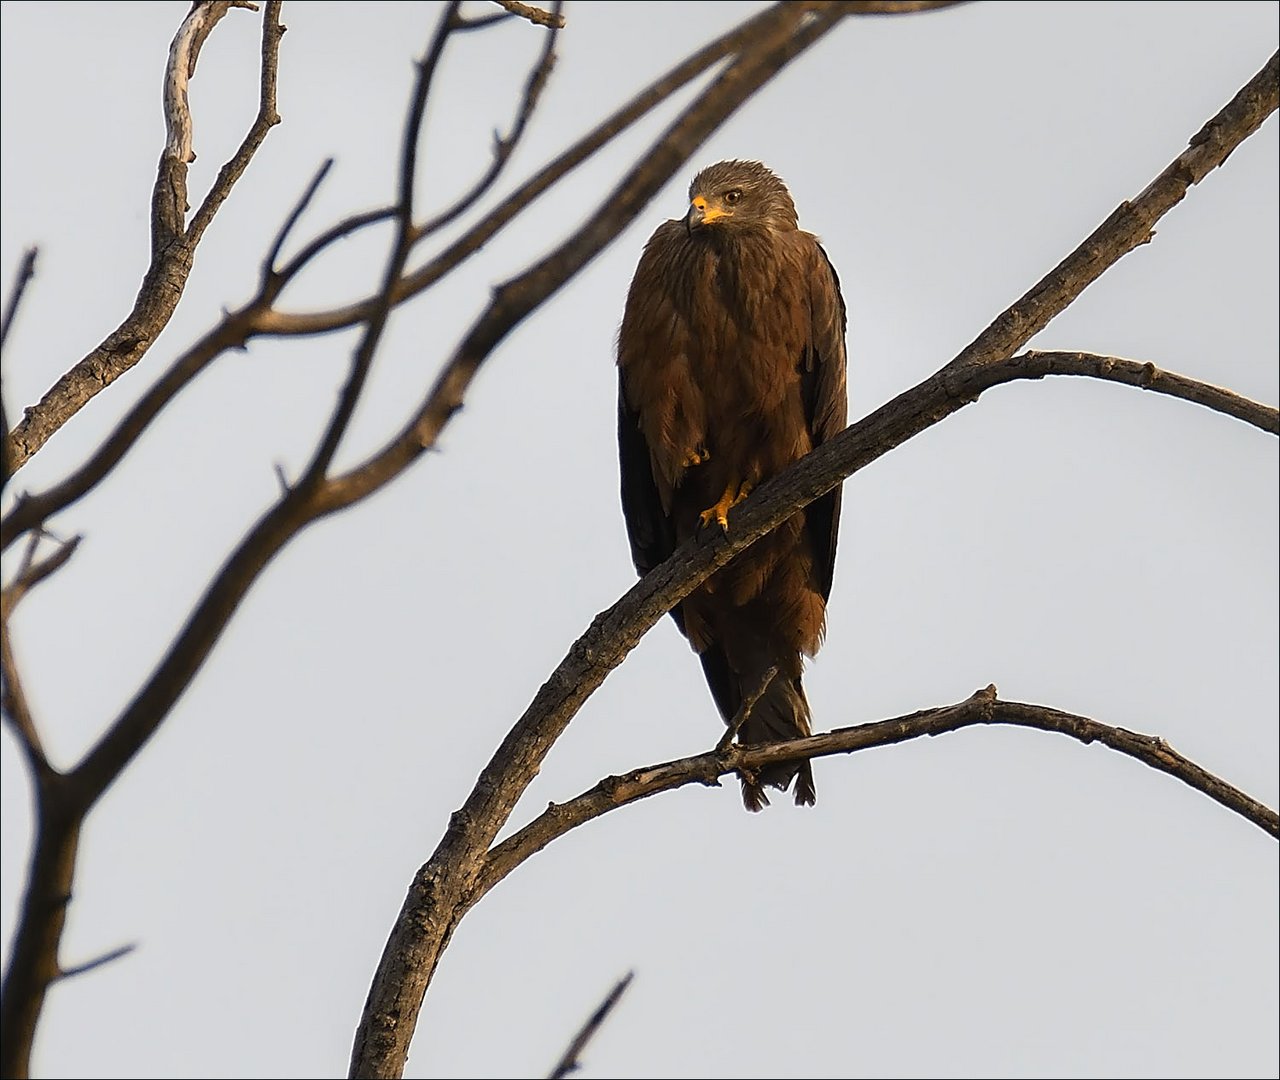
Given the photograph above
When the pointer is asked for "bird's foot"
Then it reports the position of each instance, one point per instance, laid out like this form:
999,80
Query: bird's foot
698,455
731,497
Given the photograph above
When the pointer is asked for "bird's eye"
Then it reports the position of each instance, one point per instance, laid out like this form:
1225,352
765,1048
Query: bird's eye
733,196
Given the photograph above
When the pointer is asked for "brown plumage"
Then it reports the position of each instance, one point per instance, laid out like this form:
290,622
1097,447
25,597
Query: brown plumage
731,366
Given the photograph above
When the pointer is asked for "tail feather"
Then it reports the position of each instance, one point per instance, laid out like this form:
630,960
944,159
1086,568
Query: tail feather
781,713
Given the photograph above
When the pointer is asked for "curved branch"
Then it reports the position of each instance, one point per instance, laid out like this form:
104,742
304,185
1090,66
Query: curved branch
980,709
172,245
1149,377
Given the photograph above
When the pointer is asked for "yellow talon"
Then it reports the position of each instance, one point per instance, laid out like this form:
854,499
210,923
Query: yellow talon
699,455
720,512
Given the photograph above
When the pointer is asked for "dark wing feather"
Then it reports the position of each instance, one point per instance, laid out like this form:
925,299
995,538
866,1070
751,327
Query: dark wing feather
649,529
822,378
653,539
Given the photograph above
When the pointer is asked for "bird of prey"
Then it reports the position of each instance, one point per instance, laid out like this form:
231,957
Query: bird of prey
731,366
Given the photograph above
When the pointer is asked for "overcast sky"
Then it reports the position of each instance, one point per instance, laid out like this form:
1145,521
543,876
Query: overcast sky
990,903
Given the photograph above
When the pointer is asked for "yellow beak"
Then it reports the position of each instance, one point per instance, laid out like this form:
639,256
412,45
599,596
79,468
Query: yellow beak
701,213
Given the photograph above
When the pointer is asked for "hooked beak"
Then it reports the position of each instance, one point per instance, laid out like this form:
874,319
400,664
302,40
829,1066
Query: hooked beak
701,213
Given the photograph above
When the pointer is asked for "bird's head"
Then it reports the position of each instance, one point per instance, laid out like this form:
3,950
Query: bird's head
739,196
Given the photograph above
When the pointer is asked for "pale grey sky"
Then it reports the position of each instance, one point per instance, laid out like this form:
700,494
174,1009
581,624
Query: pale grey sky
991,903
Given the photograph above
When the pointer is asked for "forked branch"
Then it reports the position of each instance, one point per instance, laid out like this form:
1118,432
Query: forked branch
173,244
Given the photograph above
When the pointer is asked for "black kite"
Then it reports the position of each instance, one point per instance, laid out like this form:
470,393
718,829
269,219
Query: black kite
731,365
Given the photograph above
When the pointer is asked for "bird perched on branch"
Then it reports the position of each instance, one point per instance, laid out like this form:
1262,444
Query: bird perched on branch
731,365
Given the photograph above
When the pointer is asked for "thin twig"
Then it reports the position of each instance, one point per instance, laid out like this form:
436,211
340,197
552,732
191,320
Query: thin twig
16,708
569,1062
504,145
479,22
744,710
264,120
104,959
339,231
26,271
299,208
31,573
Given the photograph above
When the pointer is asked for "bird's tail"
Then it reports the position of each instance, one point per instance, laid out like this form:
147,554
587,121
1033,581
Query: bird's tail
779,714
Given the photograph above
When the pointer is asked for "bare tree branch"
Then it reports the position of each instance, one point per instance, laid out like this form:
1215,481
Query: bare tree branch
744,710
535,15
981,709
1149,377
504,145
172,245
270,263
569,1063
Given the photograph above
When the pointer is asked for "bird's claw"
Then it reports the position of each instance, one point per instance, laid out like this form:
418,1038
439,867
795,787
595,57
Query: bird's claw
699,455
720,512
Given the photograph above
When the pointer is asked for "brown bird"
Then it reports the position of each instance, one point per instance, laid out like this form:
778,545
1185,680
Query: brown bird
731,366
